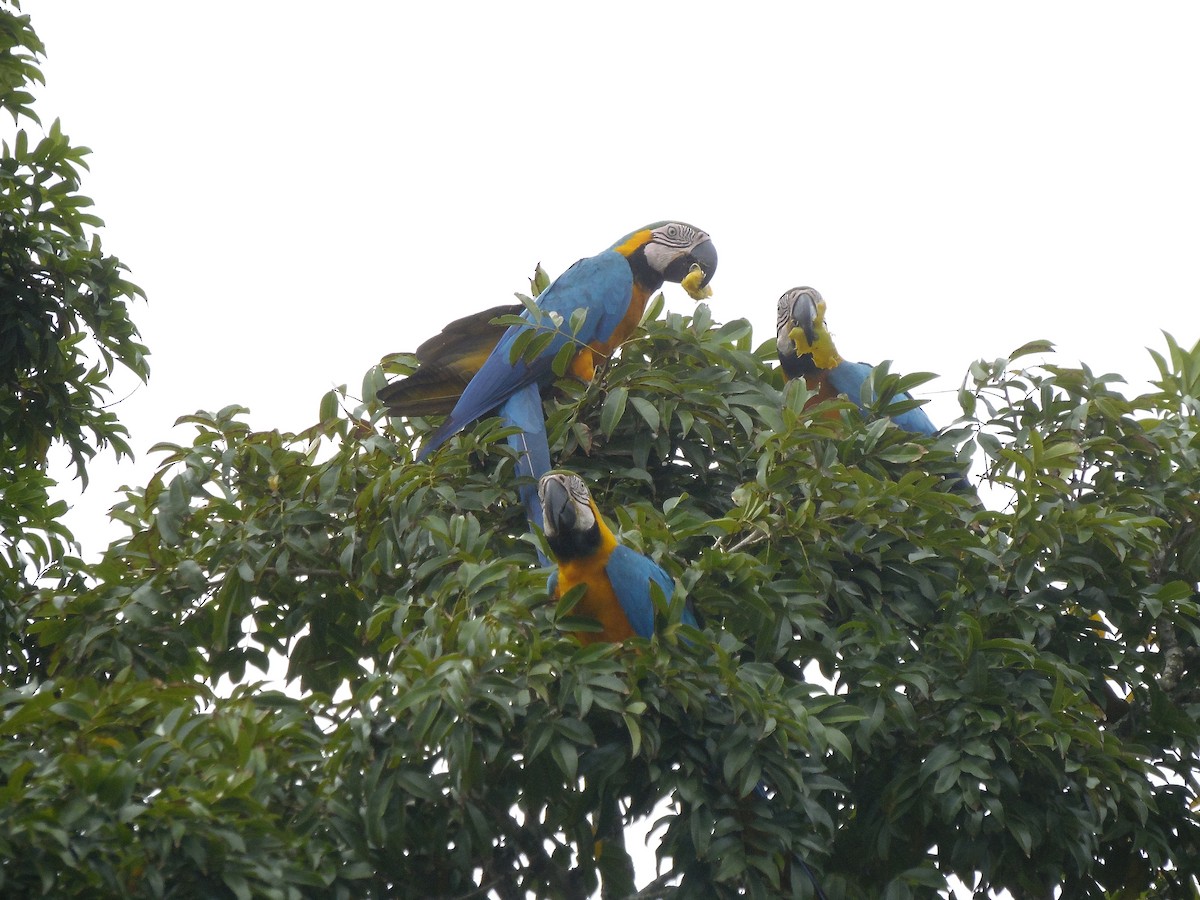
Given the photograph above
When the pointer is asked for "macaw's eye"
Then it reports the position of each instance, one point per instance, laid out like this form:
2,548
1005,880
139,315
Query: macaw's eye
675,234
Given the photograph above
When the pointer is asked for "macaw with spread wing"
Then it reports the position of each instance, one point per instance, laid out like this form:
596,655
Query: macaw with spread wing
618,579
806,350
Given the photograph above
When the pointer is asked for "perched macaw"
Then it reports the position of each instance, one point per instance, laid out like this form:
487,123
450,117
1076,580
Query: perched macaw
466,371
618,579
613,287
806,350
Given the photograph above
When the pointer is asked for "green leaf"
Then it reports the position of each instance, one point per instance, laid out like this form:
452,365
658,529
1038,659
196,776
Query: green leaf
1030,348
635,733
647,411
567,758
577,320
902,453
562,359
540,281
613,410
329,407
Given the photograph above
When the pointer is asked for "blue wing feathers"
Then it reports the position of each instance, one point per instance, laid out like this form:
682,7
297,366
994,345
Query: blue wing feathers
848,378
630,574
915,420
600,284
603,284
494,383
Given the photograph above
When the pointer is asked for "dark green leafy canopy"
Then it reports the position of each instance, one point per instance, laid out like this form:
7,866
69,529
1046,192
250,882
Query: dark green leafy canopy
64,328
977,723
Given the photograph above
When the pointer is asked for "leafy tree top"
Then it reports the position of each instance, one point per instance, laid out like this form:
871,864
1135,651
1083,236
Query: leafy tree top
1011,693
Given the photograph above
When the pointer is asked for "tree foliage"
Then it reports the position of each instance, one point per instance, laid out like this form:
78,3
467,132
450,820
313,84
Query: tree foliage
446,732
927,687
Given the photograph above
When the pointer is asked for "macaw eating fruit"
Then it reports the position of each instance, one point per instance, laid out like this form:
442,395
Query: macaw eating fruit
467,371
618,579
806,350
468,366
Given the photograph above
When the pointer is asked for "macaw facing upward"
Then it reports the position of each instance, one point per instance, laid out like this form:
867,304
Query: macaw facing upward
612,287
618,579
806,351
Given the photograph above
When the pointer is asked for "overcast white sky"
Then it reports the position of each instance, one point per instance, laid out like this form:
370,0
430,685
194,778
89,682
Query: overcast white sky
302,190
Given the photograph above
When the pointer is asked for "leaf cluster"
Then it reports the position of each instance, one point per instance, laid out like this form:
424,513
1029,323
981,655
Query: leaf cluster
64,330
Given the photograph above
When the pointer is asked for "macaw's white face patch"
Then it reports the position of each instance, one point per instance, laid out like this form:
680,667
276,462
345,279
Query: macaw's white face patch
678,234
673,241
566,503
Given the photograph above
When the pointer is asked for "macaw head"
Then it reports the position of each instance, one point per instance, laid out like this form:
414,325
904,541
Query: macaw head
671,251
801,336
571,521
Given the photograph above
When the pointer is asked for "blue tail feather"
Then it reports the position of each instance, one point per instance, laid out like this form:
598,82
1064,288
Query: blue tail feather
524,410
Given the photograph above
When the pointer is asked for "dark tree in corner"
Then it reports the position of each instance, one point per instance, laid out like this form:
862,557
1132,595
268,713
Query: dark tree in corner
64,328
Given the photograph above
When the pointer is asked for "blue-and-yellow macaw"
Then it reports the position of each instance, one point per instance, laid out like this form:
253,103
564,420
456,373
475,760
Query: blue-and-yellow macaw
586,552
617,579
806,350
613,287
467,371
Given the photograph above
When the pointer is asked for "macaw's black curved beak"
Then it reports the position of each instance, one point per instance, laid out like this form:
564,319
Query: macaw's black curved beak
804,315
558,509
703,255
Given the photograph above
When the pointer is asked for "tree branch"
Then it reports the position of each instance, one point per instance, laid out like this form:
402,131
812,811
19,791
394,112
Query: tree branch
1173,655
